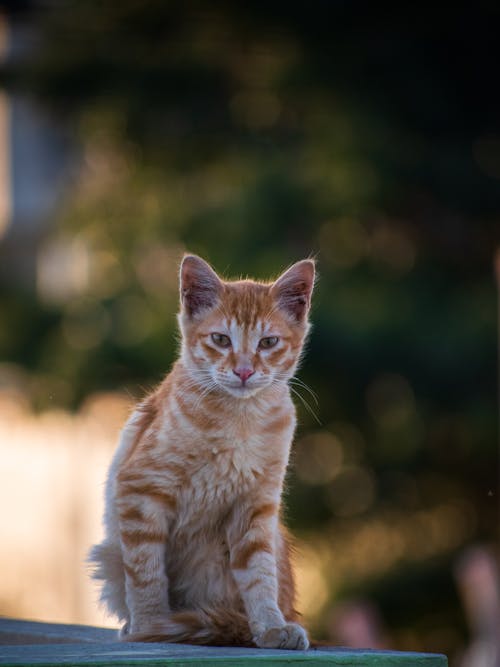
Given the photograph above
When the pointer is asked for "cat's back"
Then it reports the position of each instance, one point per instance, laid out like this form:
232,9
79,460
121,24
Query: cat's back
142,422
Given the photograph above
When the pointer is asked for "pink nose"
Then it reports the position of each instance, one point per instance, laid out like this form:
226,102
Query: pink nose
243,373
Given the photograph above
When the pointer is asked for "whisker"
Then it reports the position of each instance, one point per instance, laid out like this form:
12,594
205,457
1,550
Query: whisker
306,405
208,389
299,383
196,382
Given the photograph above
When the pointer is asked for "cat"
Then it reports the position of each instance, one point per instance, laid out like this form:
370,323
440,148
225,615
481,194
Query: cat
195,550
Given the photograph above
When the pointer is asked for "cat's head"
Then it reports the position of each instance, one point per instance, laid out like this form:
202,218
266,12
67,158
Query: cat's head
243,336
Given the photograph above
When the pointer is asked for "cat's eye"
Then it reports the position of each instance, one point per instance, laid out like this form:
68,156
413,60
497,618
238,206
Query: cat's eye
221,340
268,342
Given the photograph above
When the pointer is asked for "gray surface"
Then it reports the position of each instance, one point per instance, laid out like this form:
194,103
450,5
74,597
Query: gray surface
54,633
52,644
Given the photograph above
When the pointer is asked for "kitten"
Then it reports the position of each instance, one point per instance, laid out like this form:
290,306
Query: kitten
195,550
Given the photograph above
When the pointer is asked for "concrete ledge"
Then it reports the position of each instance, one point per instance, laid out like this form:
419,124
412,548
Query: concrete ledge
26,643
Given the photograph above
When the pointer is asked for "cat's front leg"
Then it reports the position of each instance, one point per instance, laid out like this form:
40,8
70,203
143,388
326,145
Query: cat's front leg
253,563
143,522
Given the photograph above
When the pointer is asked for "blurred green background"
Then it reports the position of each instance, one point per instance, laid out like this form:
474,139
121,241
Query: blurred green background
256,134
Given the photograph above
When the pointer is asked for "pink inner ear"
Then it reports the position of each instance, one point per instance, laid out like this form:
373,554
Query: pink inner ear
293,289
200,286
295,300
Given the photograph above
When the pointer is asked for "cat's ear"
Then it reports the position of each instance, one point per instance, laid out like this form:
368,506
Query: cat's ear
293,289
200,286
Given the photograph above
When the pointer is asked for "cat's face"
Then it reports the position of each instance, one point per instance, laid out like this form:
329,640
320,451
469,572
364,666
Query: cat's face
243,336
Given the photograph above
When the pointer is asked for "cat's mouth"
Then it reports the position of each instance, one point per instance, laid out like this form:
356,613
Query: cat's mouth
242,389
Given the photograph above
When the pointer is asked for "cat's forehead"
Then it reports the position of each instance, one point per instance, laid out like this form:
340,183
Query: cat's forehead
247,303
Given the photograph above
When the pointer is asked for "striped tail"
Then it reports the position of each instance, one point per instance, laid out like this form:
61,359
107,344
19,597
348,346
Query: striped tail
207,627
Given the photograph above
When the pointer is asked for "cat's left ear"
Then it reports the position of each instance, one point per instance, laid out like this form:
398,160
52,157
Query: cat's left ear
200,286
293,289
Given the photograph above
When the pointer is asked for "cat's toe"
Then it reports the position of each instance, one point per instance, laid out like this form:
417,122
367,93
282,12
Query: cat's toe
289,636
296,637
270,638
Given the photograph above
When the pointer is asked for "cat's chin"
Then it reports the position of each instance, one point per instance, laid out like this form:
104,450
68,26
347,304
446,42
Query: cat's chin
242,391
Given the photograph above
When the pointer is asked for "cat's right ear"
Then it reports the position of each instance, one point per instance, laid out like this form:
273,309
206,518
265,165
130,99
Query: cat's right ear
293,289
200,286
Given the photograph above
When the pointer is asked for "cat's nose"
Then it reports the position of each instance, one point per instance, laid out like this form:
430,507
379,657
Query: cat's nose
243,373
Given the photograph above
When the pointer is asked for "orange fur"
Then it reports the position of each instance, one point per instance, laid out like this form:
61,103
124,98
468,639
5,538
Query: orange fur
195,550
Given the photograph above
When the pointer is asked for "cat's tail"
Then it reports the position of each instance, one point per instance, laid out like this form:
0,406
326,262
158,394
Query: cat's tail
208,627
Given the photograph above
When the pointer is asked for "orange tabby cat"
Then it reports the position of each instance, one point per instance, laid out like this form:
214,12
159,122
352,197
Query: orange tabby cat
195,550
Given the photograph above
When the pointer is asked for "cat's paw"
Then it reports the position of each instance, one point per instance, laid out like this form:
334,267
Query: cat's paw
289,636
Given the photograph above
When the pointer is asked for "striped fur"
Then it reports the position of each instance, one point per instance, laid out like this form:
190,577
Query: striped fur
195,550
